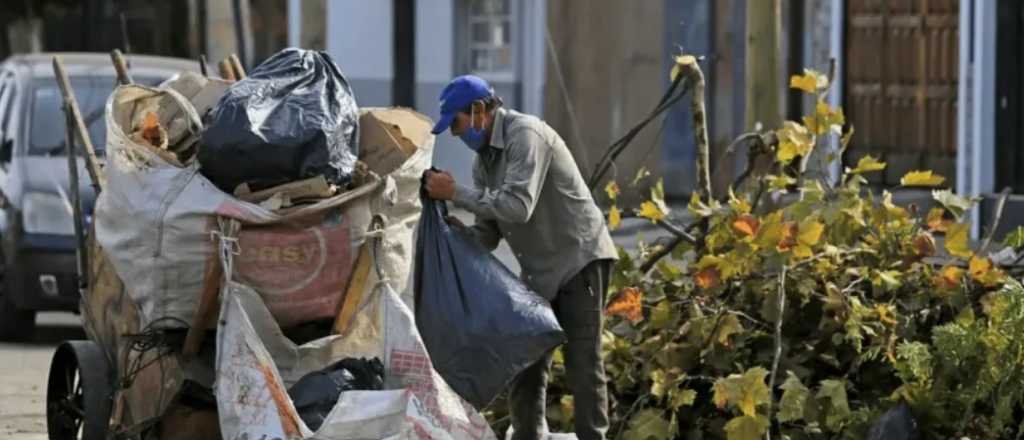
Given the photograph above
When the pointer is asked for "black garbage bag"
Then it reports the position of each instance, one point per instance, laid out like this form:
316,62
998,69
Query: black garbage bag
315,394
896,424
294,117
480,324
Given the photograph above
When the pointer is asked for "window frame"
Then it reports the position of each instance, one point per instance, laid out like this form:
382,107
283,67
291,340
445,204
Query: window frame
465,45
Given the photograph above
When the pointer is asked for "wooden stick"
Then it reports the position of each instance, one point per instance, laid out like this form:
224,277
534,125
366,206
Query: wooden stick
206,312
81,252
202,65
226,72
355,289
236,65
95,172
121,67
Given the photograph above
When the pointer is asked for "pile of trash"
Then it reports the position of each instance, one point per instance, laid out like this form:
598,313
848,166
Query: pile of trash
309,204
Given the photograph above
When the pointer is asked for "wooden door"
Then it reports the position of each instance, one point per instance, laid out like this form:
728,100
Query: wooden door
901,84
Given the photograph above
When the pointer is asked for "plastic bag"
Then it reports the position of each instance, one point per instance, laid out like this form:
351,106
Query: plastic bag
294,117
316,393
481,325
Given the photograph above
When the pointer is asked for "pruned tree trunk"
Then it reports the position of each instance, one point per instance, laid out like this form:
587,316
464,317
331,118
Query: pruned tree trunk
690,69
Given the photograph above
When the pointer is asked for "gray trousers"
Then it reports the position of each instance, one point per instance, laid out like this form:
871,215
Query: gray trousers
579,307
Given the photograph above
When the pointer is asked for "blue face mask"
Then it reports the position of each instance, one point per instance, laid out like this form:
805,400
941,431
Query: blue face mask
473,138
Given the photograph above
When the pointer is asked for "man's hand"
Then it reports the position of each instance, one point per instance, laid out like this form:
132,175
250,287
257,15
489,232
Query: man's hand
440,185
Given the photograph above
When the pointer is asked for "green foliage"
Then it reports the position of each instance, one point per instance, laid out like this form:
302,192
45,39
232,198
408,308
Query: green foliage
875,313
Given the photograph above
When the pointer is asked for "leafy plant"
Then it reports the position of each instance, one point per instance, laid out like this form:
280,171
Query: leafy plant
810,320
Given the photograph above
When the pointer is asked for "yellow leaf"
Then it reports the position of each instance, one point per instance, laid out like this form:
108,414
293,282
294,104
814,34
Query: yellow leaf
789,237
886,314
979,266
794,140
627,304
832,117
803,82
771,230
802,251
949,278
922,178
787,152
825,118
740,205
614,218
810,232
810,82
612,188
812,124
651,211
746,224
709,261
868,164
935,220
982,271
956,240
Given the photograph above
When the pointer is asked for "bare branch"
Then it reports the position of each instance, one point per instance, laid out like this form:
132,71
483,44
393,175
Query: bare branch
690,69
778,342
681,235
995,221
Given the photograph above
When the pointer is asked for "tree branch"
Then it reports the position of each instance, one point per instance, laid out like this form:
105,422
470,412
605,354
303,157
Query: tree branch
690,69
778,343
681,235
995,221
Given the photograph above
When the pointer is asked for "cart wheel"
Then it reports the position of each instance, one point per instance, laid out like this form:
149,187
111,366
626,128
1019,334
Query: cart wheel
78,394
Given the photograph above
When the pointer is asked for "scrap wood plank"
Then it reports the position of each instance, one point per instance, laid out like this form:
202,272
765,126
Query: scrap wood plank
207,310
71,104
226,71
355,289
236,65
121,67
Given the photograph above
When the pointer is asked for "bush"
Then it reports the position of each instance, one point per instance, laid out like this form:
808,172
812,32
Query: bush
812,319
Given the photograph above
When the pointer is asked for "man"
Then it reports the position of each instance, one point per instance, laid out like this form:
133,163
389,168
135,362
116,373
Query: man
528,190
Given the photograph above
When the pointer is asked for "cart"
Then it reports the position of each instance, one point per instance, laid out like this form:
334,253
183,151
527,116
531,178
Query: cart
133,379
124,381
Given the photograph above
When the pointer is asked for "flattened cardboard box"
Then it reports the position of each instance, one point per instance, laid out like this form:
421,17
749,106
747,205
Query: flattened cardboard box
389,136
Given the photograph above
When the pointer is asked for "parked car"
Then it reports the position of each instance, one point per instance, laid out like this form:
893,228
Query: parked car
37,243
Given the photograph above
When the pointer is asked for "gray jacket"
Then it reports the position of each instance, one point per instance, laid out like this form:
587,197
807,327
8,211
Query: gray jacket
528,190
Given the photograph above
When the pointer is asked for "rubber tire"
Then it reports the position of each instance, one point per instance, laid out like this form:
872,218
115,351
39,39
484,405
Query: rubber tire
96,398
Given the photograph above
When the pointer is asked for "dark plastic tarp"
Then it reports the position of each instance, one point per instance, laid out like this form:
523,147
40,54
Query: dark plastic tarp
480,324
294,117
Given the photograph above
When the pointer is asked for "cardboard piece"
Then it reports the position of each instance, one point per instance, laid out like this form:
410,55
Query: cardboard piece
389,136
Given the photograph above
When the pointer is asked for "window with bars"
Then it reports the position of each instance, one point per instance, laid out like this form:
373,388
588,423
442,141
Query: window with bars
487,38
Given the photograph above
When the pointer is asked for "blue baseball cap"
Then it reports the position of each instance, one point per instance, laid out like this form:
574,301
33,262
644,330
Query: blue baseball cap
457,96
